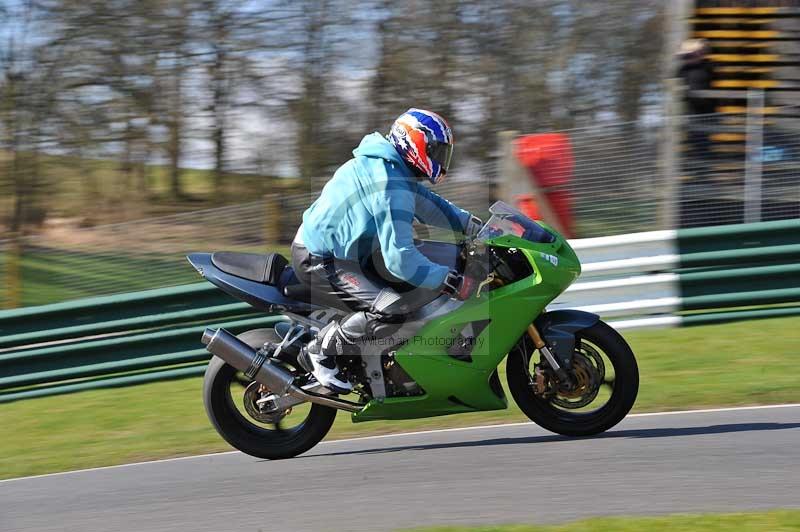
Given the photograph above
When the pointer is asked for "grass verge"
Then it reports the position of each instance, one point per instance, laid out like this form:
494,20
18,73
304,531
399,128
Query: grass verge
774,521
720,365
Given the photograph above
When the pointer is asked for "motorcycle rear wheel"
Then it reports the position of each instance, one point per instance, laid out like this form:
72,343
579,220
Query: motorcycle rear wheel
597,340
224,386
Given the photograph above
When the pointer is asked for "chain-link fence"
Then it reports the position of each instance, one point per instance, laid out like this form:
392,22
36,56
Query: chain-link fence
678,172
66,262
616,186
738,166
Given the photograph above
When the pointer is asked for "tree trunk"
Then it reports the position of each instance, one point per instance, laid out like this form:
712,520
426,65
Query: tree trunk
219,107
174,150
9,120
126,166
174,143
18,180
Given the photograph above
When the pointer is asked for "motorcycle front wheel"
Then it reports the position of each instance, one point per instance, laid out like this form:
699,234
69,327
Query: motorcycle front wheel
229,398
606,377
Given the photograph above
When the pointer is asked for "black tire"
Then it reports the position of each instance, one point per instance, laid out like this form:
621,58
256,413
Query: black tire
573,423
249,437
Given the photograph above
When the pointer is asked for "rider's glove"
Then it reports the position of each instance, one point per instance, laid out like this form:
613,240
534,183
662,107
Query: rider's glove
474,226
458,286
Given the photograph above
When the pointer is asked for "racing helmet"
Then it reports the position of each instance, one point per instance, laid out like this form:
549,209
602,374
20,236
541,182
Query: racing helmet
425,142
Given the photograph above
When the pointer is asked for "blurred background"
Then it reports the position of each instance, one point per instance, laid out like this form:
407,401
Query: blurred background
132,132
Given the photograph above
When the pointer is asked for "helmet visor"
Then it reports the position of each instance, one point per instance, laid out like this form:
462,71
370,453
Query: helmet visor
442,153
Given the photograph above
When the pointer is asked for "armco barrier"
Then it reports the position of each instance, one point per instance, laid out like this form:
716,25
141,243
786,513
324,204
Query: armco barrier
628,279
661,278
691,276
114,314
114,340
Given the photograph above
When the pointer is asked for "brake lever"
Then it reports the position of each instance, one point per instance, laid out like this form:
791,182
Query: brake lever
489,279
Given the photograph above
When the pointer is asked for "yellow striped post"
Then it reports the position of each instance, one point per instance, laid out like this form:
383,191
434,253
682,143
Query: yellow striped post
741,109
745,83
737,34
736,11
747,58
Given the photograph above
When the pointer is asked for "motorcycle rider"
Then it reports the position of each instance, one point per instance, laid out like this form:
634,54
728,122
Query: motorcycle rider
368,208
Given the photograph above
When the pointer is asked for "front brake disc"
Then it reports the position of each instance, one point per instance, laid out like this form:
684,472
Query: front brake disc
588,370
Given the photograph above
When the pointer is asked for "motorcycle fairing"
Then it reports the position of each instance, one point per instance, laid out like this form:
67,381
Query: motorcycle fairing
452,385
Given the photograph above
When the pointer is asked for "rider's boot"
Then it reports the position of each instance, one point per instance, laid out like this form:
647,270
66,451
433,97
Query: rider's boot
323,350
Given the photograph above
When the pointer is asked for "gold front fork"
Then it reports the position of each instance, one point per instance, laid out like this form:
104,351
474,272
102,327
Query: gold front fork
533,332
540,344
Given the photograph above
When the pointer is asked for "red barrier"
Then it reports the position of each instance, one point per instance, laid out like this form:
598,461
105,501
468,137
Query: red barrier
548,158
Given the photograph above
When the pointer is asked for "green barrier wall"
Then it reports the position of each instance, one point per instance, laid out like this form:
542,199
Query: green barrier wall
114,340
725,273
752,266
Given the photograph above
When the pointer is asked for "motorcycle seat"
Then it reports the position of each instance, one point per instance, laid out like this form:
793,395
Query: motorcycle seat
265,269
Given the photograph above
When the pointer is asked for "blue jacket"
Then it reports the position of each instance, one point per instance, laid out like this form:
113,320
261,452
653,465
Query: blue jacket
370,203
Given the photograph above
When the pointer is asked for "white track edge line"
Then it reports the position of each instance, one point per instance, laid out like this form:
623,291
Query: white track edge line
400,434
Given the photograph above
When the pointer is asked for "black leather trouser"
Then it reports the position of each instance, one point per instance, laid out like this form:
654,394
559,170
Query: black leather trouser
379,305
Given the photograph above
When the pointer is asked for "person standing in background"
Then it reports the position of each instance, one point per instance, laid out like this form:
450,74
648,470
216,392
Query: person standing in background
697,72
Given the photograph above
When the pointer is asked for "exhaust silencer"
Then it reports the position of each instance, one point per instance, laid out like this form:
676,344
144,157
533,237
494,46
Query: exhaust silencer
246,359
254,364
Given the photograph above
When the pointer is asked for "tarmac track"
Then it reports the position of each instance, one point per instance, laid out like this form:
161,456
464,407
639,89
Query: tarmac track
706,461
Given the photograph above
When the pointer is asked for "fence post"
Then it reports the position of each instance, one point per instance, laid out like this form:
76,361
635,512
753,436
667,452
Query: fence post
753,150
506,166
271,219
670,156
677,13
13,272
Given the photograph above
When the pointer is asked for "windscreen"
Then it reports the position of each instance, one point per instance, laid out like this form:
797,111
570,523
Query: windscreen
506,220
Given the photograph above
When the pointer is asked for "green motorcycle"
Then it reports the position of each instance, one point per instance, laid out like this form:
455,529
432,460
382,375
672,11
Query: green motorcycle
568,371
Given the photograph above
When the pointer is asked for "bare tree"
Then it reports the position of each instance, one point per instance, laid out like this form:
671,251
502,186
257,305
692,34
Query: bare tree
176,82
27,86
